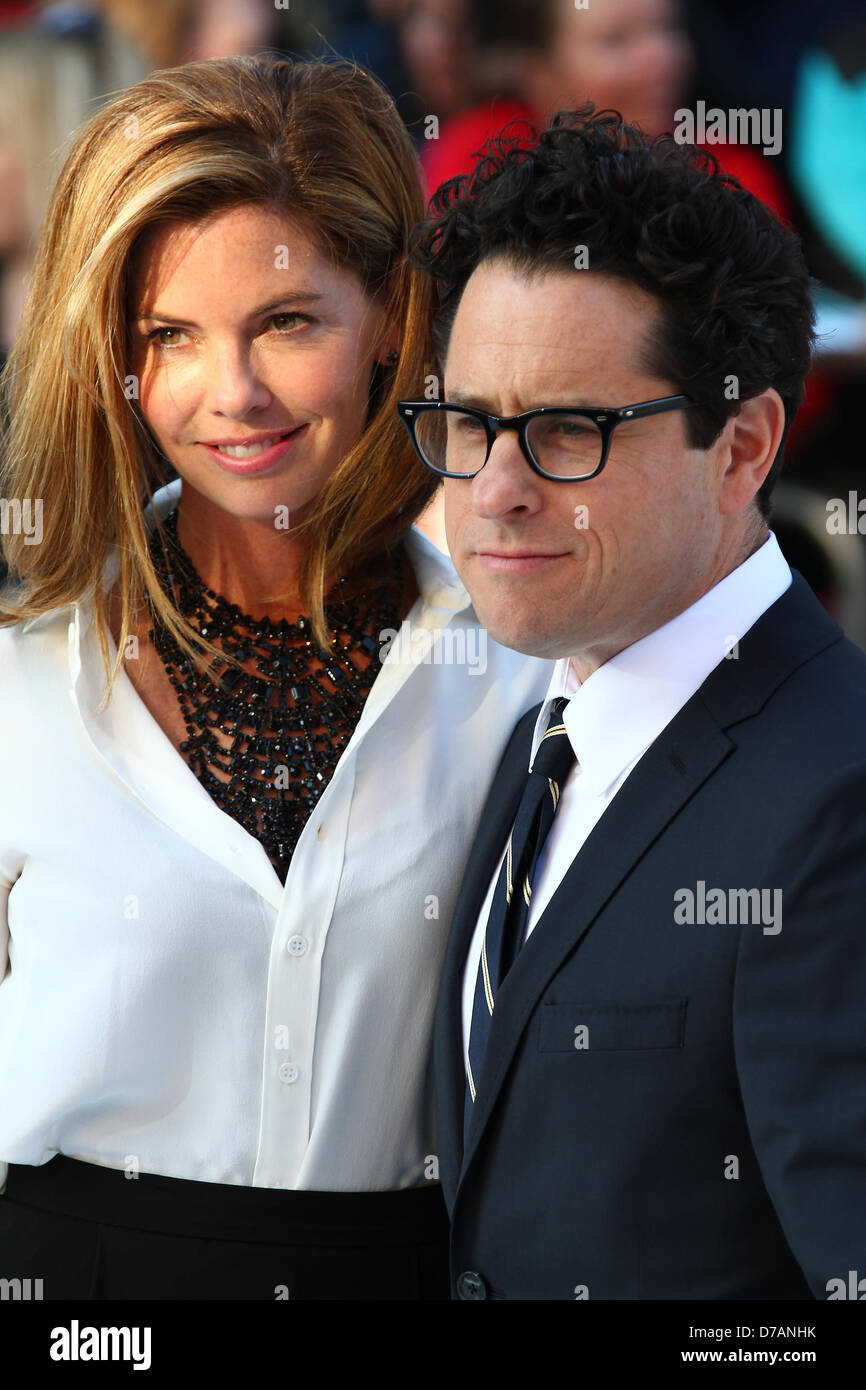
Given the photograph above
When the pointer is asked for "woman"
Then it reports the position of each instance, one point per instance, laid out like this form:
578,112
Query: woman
249,719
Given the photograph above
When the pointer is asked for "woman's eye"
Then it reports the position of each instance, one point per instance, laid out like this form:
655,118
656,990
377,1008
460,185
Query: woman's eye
284,323
170,337
155,337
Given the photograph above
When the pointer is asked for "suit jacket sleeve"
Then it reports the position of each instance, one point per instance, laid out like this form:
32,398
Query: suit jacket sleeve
800,1033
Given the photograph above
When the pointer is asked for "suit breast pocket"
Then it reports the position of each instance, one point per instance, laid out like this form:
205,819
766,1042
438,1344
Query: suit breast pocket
596,1027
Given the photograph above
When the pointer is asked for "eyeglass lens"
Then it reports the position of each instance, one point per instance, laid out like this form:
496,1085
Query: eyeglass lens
567,446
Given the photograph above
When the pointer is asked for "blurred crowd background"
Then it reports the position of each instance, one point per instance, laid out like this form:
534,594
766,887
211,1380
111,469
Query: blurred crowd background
461,69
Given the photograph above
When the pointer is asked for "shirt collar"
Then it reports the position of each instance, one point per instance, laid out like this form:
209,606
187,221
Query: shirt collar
438,581
164,500
619,710
42,619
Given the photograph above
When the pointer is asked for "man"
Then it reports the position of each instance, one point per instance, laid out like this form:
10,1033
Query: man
650,1051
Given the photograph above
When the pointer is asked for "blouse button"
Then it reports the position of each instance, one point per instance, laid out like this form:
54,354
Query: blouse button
288,1073
296,945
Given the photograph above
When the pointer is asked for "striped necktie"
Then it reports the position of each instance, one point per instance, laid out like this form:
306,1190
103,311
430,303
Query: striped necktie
509,910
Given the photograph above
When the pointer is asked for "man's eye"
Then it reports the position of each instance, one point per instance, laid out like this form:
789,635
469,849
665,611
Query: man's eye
573,428
554,427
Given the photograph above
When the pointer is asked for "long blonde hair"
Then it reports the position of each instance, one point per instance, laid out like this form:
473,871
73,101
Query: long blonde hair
321,141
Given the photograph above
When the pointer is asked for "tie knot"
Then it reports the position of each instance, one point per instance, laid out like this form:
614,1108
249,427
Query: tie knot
555,757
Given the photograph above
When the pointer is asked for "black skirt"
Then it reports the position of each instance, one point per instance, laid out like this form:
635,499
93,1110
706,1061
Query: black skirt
89,1232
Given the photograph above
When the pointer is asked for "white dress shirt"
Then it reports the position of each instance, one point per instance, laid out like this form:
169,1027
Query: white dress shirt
168,1003
614,716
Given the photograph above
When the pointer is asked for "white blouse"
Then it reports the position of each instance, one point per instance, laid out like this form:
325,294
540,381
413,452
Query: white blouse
168,1006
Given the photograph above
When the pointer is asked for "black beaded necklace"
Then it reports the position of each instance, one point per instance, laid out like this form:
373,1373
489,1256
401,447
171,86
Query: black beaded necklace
265,745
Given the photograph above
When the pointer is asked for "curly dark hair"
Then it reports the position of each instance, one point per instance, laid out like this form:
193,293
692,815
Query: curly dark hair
730,279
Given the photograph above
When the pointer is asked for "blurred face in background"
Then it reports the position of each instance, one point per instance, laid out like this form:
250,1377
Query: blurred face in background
437,43
221,28
631,55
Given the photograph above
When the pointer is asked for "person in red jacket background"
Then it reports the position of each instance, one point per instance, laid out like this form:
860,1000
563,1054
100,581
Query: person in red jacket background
633,56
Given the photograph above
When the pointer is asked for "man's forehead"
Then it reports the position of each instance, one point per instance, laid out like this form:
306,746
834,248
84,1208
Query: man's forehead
548,338
548,324
500,294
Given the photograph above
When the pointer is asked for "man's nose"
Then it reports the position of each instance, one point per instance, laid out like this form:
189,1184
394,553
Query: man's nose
506,481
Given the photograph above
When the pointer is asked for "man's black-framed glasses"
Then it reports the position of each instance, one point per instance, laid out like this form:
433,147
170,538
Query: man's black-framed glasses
559,443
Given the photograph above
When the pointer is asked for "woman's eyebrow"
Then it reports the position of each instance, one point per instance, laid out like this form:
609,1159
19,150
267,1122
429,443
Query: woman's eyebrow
296,297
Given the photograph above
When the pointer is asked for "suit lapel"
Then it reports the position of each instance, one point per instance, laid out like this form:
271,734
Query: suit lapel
494,825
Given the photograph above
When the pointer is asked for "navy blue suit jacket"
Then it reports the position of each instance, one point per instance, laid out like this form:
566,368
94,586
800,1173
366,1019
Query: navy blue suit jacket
675,1109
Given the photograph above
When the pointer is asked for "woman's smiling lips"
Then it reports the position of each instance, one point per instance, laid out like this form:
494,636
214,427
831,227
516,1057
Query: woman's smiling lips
277,445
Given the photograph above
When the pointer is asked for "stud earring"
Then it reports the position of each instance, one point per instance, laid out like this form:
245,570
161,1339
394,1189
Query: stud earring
393,358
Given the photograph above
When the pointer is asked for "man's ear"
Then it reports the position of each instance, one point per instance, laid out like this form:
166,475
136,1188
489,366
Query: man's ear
754,435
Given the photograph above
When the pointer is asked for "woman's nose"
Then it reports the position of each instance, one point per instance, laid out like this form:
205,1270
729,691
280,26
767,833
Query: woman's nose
233,384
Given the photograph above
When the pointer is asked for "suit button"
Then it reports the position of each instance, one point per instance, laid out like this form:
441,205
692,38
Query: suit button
470,1285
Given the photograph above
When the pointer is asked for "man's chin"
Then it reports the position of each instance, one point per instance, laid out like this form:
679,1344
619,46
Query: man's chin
525,636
